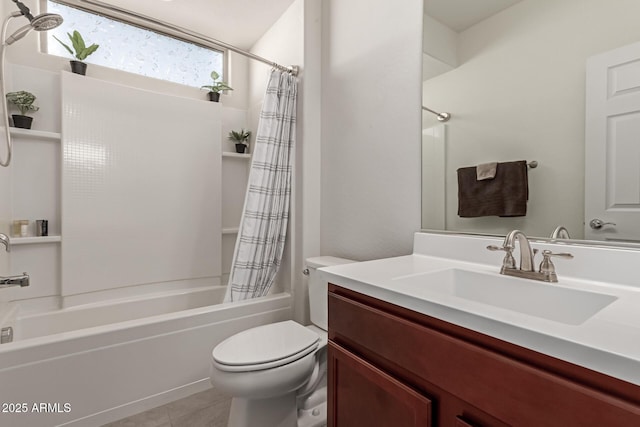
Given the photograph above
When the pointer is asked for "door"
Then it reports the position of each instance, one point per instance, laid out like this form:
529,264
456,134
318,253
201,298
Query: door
612,145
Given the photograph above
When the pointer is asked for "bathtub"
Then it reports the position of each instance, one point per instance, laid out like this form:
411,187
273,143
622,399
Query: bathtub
95,363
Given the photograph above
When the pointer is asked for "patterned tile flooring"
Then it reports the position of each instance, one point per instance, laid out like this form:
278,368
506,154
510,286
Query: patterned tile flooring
209,408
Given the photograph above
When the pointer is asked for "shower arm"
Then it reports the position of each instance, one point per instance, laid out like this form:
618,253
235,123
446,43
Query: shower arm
442,117
24,10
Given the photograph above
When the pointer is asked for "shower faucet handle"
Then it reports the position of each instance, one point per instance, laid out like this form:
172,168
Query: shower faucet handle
4,239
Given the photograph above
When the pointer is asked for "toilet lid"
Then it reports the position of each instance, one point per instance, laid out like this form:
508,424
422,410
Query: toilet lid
266,346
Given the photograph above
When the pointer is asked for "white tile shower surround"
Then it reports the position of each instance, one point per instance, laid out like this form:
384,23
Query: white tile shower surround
33,186
137,220
209,408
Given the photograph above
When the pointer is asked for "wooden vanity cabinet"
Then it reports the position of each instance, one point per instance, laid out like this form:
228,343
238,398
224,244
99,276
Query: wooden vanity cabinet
393,367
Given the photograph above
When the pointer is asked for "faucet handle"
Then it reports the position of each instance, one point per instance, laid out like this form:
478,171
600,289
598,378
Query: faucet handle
560,254
546,266
508,261
6,241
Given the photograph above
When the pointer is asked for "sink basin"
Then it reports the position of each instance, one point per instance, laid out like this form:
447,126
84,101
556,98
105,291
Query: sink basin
547,301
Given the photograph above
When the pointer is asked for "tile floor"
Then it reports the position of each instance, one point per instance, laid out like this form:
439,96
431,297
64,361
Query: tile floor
209,408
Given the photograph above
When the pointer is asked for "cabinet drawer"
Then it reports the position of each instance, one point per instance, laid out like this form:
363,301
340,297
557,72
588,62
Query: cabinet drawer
362,395
511,391
461,422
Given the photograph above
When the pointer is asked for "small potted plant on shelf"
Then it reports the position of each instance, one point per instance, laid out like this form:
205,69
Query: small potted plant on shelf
240,138
24,101
216,87
81,52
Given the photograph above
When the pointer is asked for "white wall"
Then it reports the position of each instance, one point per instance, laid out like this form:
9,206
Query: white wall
439,47
440,41
282,43
371,74
519,94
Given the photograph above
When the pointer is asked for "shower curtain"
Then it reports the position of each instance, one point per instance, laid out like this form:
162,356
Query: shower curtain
263,227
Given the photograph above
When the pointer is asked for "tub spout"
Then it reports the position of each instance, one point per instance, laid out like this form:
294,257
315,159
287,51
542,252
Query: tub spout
21,280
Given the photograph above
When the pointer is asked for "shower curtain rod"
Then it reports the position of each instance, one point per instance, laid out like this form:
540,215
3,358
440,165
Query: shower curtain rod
443,117
293,69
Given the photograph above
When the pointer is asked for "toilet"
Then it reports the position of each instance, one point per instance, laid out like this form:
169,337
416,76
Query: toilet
276,373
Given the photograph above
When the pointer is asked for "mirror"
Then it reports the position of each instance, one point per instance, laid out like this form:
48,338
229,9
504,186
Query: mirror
512,76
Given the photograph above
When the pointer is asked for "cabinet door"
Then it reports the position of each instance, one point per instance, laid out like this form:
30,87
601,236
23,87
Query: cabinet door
362,395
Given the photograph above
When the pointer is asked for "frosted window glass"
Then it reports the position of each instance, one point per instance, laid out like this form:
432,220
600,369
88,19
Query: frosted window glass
133,49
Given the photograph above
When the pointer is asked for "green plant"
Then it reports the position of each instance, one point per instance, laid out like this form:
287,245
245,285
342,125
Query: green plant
81,50
217,86
23,100
240,137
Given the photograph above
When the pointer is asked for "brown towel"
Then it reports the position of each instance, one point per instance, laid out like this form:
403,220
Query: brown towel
505,195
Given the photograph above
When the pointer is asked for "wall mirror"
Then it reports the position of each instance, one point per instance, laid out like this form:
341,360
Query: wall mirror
512,75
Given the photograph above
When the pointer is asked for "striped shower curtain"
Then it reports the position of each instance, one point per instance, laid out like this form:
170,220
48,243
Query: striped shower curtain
263,227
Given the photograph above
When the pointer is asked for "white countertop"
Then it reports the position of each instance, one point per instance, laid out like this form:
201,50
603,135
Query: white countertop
608,341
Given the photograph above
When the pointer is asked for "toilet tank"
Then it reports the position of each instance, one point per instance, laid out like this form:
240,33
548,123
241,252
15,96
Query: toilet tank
318,288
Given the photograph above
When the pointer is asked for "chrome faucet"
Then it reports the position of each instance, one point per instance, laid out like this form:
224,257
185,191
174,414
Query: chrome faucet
526,253
560,232
546,272
11,281
21,280
4,239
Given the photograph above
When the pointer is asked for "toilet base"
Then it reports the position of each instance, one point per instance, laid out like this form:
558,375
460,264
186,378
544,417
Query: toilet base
277,411
313,417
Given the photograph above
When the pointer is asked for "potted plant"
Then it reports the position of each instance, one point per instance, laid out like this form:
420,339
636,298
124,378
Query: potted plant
216,87
81,52
24,101
240,138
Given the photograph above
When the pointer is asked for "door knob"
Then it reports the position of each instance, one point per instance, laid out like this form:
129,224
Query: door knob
597,224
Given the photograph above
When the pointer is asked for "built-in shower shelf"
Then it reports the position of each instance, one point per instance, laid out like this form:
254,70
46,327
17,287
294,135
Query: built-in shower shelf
35,134
236,155
230,230
34,240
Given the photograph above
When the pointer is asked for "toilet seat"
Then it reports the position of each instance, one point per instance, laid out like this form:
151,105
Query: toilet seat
265,347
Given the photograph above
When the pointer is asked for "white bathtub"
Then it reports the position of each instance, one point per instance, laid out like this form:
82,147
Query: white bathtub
96,363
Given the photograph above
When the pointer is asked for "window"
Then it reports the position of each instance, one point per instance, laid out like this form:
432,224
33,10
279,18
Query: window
136,50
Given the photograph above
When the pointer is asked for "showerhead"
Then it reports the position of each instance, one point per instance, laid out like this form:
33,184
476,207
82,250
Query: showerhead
42,22
46,21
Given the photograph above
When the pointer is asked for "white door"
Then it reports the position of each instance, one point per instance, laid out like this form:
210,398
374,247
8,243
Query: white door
612,146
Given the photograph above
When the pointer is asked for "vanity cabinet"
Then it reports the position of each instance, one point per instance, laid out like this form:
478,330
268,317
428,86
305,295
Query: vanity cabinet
390,366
